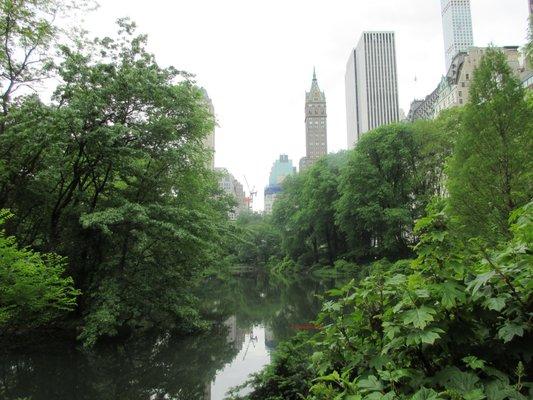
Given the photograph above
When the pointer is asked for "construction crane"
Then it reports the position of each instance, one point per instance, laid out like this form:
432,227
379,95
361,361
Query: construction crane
249,199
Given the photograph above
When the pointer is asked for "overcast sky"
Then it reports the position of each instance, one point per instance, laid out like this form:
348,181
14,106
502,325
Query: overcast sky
255,58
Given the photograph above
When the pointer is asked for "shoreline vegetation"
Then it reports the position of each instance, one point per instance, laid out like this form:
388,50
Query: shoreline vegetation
111,219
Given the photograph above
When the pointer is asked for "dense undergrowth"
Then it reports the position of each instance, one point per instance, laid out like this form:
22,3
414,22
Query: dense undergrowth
454,323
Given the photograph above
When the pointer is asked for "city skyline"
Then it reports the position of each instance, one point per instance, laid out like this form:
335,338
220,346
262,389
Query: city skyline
257,98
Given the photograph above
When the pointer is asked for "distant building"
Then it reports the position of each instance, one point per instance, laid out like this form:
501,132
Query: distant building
281,168
316,129
454,88
527,80
233,187
271,193
209,140
457,28
371,85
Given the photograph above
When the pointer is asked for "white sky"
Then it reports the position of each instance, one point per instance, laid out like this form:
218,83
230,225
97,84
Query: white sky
255,58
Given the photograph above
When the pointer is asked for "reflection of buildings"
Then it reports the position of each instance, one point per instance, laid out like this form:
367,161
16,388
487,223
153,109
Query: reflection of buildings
280,170
235,334
270,341
233,187
207,391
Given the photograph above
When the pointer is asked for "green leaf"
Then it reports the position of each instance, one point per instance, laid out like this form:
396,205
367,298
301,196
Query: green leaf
453,378
333,377
370,384
425,394
509,331
419,317
353,397
474,362
476,394
430,336
495,303
451,293
479,281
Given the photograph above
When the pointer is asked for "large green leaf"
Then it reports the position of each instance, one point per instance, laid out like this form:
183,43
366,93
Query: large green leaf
419,317
495,303
508,331
451,293
426,394
370,384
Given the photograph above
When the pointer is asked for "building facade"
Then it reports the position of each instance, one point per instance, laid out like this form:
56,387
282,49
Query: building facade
209,140
234,188
457,28
271,193
454,88
281,168
316,128
371,85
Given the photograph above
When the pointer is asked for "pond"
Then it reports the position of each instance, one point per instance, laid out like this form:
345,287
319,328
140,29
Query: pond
251,313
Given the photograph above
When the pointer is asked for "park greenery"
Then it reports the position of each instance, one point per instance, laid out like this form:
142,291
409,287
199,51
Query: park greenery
111,218
115,212
437,216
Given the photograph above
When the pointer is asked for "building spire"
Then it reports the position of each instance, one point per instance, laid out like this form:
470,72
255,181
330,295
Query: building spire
314,74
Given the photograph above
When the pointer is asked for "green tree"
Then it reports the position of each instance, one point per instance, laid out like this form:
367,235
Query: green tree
113,175
305,215
257,240
389,178
33,288
490,172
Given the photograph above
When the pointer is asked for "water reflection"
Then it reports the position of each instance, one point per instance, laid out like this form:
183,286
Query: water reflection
253,313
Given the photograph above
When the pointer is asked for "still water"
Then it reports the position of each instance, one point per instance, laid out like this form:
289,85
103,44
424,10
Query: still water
251,314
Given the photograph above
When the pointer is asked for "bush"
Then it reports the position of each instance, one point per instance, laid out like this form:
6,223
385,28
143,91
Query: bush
33,291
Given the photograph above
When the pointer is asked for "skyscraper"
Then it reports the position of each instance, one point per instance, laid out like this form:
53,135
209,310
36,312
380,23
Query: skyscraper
457,28
371,85
209,140
316,129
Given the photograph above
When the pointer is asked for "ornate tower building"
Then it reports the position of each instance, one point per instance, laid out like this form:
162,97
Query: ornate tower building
316,129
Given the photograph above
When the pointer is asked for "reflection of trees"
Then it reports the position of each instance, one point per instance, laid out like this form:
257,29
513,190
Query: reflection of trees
156,368
259,299
163,367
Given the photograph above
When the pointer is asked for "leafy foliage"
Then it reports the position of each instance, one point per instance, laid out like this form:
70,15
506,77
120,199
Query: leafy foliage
425,328
490,173
361,204
33,290
113,176
455,322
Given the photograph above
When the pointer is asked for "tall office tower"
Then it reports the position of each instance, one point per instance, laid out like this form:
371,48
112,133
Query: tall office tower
316,129
457,28
209,140
371,85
